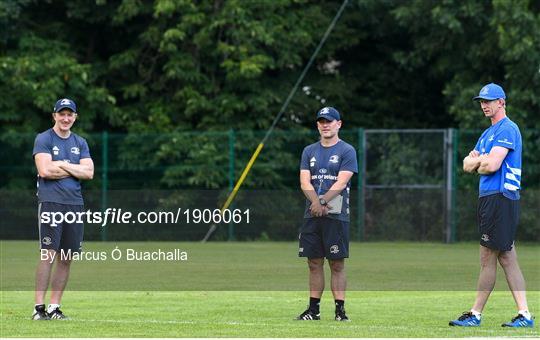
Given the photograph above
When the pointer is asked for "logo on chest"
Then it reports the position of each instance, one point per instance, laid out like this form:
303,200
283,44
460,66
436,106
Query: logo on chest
75,150
55,150
312,162
334,159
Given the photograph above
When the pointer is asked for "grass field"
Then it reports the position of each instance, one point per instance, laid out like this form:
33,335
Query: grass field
421,308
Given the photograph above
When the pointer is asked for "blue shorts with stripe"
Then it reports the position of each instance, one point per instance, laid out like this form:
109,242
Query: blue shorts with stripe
66,235
324,237
498,219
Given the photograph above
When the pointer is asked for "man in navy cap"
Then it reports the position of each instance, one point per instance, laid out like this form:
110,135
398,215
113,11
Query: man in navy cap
325,176
497,159
62,160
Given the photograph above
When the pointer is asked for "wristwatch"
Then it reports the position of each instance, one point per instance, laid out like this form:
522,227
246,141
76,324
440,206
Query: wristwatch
322,201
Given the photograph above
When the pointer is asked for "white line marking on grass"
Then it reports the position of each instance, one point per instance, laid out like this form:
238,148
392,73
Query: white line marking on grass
259,324
188,322
337,326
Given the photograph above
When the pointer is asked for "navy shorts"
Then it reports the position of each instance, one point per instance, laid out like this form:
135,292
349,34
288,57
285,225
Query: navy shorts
67,235
498,218
324,237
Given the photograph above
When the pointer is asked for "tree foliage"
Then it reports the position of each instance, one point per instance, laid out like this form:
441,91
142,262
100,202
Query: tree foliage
141,67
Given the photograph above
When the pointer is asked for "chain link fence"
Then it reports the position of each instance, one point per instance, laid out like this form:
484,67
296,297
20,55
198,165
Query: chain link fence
410,184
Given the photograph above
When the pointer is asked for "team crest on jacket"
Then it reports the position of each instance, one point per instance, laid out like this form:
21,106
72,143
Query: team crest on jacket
334,159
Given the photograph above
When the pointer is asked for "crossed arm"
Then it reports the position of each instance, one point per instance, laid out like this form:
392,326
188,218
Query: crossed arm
316,208
49,169
485,164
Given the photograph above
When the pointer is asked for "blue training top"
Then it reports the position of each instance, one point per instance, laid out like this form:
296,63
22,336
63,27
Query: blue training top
506,180
72,149
324,164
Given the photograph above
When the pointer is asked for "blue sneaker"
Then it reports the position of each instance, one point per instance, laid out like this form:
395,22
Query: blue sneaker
520,321
467,319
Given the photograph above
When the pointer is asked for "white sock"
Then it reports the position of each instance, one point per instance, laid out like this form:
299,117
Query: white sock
477,314
52,307
525,313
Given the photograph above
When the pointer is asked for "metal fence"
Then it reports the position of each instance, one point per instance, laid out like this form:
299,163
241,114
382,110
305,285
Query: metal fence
403,168
410,185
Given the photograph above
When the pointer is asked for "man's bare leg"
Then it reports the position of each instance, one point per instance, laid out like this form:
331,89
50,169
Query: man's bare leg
59,280
487,277
514,277
316,277
43,273
338,278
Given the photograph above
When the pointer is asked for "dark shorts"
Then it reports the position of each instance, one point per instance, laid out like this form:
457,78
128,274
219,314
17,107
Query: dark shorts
65,235
498,218
324,237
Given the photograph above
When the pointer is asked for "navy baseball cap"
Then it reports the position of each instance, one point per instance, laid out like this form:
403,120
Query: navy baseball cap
491,92
328,113
65,103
